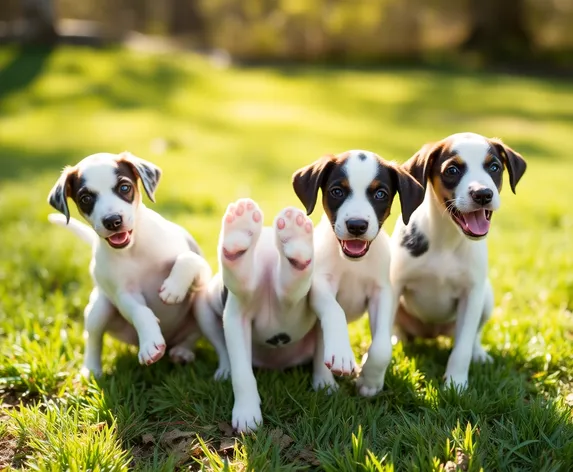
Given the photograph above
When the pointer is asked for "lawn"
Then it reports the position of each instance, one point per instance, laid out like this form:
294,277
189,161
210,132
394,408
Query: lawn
221,134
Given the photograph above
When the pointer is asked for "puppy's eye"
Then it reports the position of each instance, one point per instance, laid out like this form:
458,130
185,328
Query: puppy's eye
381,194
494,167
86,199
452,171
125,188
337,192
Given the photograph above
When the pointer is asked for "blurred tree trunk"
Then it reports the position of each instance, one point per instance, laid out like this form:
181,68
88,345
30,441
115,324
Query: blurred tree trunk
185,19
498,28
41,21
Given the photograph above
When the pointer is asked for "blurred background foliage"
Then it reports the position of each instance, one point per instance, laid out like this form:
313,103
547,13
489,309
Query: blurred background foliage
355,31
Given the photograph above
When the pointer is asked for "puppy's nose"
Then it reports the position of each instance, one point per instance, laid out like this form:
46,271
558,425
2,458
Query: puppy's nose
357,227
483,196
112,222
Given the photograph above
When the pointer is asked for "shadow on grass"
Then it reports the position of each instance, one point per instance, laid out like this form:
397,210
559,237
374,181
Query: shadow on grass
520,423
19,163
27,64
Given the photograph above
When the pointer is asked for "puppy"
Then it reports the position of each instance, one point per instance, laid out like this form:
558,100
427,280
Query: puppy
262,294
150,277
439,259
352,255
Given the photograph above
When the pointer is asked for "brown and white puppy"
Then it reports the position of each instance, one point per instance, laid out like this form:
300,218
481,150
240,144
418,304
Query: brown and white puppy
150,277
352,254
439,259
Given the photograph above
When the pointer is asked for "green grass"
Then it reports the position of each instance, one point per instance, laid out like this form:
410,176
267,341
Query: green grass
235,133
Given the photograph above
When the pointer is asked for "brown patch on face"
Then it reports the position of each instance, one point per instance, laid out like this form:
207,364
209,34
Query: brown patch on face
335,187
126,187
447,169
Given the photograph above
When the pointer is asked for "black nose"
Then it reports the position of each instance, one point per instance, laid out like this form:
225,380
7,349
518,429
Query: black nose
482,196
357,227
112,222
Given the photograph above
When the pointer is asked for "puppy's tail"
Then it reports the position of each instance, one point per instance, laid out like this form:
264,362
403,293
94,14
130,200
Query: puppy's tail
82,230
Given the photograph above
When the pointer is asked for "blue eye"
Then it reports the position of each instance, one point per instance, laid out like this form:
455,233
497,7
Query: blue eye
452,171
381,194
125,188
494,167
337,192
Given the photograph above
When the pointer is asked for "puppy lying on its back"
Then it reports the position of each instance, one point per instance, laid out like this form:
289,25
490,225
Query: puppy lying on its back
262,295
150,277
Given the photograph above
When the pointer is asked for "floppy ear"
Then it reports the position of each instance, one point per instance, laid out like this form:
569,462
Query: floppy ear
309,179
410,191
419,165
148,173
60,192
514,162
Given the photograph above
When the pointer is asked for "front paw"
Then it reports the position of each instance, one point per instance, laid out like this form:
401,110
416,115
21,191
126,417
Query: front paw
88,371
324,381
456,380
223,372
151,351
368,386
173,291
247,416
480,356
181,355
339,358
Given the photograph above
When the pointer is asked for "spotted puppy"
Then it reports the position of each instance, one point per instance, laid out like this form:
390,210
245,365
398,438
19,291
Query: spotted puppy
150,277
439,259
262,294
352,254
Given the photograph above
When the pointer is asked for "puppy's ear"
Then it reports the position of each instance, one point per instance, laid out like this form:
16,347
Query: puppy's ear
419,165
309,179
60,192
148,173
410,191
514,162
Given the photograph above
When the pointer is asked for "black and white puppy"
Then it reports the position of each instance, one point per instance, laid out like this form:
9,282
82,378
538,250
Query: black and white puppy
150,277
352,253
439,263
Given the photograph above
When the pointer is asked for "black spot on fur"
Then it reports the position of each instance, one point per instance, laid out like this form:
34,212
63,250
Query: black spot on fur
384,180
362,156
450,182
224,295
414,241
331,202
279,340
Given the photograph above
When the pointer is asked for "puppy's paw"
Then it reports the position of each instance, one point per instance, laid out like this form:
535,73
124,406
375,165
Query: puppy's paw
294,234
480,356
223,372
181,355
458,381
247,416
369,386
173,290
151,351
339,358
242,226
324,381
88,371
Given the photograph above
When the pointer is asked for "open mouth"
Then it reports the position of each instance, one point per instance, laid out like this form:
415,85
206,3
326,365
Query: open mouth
475,223
354,248
119,240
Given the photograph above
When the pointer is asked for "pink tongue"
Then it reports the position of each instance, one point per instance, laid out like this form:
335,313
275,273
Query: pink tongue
476,221
119,238
355,246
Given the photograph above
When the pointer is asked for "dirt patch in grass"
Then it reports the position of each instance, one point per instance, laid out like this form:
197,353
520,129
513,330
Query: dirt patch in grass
8,447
